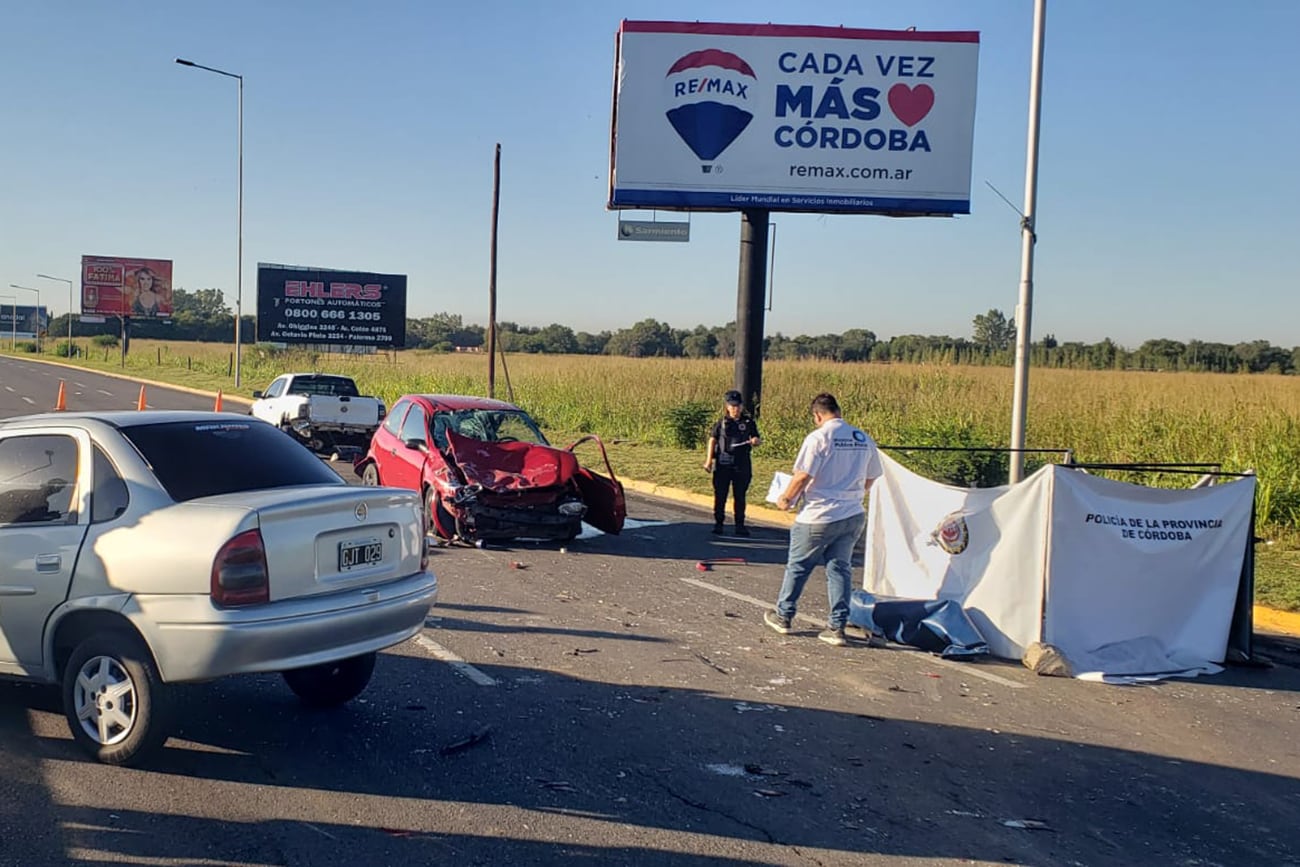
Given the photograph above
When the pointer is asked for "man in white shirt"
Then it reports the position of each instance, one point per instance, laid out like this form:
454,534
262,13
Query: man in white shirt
833,473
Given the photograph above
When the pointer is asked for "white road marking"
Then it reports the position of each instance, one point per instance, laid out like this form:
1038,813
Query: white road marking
79,384
9,388
964,667
461,666
29,400
101,391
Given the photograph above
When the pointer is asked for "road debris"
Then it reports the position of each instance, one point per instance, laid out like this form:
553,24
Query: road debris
707,564
746,707
558,786
515,564
465,743
760,771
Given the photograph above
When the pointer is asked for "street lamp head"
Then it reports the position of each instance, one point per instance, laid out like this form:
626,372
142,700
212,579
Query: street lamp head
184,62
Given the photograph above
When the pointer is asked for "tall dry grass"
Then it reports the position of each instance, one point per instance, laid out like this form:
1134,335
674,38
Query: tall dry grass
1242,422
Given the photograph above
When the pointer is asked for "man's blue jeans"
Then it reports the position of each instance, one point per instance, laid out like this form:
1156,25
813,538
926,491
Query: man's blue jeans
812,545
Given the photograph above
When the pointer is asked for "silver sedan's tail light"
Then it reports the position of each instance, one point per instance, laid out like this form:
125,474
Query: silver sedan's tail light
239,573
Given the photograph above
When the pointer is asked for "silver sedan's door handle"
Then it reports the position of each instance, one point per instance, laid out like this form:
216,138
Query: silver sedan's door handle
48,562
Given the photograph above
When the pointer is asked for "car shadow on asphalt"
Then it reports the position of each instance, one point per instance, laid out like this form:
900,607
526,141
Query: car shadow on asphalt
627,774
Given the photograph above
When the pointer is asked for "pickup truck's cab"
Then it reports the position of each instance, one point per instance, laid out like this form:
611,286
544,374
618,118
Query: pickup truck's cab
323,411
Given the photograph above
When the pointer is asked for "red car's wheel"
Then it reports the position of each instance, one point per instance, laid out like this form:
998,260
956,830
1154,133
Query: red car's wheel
438,520
370,475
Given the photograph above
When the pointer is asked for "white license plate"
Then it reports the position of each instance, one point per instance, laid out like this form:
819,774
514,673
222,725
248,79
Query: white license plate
354,554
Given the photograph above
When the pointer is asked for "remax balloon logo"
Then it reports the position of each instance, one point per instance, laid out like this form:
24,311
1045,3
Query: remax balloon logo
709,92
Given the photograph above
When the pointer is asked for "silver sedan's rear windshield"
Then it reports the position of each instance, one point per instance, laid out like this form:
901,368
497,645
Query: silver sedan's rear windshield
203,459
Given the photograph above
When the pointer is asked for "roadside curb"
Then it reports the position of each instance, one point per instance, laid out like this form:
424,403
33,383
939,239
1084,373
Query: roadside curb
762,513
1280,622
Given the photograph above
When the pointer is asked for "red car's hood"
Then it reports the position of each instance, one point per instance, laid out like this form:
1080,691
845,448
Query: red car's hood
511,466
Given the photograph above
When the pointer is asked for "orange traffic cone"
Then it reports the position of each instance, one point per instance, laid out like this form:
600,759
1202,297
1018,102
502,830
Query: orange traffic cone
217,407
60,402
140,404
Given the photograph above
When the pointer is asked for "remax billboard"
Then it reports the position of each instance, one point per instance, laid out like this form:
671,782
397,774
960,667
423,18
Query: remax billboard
792,118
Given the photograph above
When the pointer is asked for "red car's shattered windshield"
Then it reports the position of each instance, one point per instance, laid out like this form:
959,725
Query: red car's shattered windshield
487,425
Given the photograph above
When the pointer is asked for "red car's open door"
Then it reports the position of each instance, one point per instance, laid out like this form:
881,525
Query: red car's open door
606,504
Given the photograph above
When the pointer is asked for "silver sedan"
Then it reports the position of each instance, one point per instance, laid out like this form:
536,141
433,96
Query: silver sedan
142,549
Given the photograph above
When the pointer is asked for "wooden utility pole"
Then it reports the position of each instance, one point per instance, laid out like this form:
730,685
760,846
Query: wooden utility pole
492,278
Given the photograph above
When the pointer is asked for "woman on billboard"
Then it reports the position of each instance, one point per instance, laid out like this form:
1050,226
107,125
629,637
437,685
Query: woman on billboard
150,295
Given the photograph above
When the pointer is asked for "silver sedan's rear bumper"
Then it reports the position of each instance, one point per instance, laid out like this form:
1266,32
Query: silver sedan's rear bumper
194,640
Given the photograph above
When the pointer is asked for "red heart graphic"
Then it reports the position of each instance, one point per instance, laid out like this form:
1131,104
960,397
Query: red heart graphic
911,104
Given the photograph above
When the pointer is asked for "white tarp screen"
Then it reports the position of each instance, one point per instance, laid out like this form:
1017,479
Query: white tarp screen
1129,562
1059,558
997,576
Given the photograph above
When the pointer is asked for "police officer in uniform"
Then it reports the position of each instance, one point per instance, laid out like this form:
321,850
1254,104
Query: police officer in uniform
730,441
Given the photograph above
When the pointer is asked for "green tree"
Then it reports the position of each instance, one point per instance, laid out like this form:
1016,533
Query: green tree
993,332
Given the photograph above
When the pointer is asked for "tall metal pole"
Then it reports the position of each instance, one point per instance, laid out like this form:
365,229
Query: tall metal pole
239,255
492,277
38,310
69,282
239,220
749,307
1028,237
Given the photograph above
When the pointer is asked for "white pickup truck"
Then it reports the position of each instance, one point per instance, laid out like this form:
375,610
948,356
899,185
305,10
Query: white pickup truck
322,411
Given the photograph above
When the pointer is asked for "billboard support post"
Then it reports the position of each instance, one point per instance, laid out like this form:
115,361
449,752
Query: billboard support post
492,276
750,295
1028,237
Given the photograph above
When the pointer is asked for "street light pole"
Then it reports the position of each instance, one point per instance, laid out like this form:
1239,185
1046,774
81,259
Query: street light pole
69,282
1028,238
38,310
239,231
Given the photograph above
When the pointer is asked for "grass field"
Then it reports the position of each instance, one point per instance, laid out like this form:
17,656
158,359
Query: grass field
640,407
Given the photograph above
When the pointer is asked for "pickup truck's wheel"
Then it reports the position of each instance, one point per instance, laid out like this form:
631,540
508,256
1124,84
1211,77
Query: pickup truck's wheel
332,683
370,475
114,699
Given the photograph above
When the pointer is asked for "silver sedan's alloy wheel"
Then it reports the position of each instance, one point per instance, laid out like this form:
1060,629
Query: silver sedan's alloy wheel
104,699
117,705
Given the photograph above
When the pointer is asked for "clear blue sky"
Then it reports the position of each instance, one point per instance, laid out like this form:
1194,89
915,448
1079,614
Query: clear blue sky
1168,174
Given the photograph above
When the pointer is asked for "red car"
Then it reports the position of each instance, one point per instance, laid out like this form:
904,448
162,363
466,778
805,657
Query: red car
487,472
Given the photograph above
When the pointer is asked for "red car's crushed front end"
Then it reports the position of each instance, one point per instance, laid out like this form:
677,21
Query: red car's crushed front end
489,474
510,490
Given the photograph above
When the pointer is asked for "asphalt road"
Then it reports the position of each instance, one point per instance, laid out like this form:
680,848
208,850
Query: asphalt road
31,386
613,704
